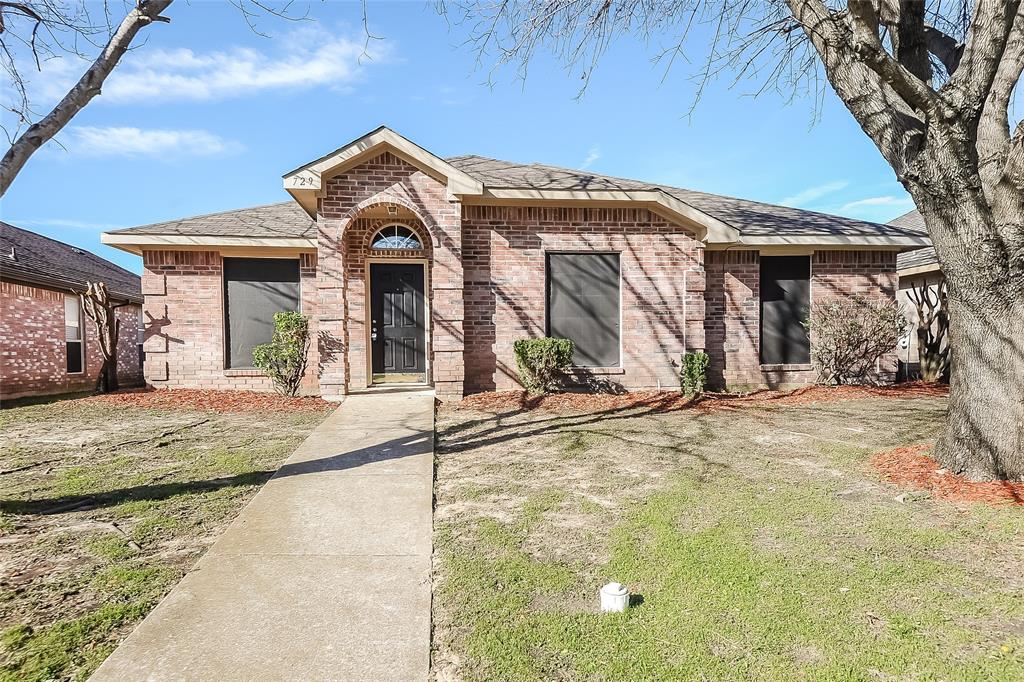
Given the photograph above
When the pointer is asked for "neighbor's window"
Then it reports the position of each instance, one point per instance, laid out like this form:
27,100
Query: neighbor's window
785,301
396,237
255,289
73,334
142,336
583,305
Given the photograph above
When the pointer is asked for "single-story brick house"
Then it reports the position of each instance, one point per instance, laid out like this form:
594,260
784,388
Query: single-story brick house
47,344
915,269
422,269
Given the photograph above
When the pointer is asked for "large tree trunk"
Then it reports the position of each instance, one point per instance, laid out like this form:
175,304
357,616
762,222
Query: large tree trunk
984,435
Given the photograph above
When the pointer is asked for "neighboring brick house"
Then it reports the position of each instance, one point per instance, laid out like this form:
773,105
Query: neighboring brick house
47,343
914,268
419,269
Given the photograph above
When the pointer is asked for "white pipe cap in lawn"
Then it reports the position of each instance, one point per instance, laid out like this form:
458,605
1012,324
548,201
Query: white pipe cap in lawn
614,598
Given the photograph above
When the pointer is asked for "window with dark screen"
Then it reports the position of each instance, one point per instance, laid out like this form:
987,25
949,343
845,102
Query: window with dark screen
73,338
583,305
785,303
255,289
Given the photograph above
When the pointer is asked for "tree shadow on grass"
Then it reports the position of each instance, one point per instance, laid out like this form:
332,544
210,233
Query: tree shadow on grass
111,498
378,452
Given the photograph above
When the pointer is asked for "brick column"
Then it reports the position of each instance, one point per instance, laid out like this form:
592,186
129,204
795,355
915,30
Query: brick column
330,308
448,312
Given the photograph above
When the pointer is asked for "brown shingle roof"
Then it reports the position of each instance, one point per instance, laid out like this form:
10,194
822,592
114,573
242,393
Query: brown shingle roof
750,218
286,220
918,257
27,256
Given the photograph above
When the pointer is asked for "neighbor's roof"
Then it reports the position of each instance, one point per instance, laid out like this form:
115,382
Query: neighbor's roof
35,259
751,218
919,258
726,220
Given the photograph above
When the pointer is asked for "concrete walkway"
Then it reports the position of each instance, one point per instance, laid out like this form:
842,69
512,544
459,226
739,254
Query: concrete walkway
325,575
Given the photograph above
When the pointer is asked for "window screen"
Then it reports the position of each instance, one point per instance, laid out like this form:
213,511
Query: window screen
785,302
255,289
73,333
583,305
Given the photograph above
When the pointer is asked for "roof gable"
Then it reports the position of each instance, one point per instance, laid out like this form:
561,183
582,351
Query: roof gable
305,181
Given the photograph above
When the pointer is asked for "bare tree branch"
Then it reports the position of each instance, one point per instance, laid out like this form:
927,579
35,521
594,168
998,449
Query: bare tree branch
991,26
88,86
946,48
994,144
869,49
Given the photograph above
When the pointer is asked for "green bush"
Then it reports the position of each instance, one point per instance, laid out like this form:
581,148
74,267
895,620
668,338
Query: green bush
693,374
284,358
540,361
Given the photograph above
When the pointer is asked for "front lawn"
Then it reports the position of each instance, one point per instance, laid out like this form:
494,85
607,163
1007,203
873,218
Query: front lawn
758,540
106,502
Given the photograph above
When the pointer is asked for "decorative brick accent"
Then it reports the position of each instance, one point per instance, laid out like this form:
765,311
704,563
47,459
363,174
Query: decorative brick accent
33,354
184,339
504,259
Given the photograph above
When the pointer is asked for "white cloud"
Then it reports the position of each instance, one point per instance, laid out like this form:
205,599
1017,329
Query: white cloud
127,141
878,202
593,155
811,193
61,222
305,58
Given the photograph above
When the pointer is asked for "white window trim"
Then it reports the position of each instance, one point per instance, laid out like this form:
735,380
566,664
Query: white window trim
81,334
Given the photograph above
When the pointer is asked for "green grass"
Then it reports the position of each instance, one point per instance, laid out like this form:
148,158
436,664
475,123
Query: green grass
79,583
741,576
716,604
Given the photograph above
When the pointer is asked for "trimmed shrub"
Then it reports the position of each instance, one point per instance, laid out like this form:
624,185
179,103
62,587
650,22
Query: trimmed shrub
850,335
539,362
693,374
284,358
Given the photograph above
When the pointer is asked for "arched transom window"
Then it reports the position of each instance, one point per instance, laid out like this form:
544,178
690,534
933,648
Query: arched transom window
395,237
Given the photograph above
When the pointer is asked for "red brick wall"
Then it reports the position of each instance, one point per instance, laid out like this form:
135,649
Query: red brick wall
185,322
33,355
871,274
733,323
504,259
386,180
733,309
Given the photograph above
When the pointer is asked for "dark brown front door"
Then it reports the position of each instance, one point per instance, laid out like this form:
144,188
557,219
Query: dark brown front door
397,329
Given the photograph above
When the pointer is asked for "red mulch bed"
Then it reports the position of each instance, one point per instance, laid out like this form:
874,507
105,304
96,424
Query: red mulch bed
911,467
214,401
505,401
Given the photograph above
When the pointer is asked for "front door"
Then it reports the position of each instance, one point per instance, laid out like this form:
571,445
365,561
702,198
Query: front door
397,329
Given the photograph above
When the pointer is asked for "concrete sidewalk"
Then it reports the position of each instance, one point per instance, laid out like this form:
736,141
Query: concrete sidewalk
325,575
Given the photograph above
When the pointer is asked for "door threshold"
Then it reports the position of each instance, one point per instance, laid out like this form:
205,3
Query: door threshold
378,389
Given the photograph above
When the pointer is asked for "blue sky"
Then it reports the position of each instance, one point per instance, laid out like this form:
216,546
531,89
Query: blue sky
207,116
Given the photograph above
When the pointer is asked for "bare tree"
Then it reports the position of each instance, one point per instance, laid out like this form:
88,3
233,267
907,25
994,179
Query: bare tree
932,328
930,83
102,310
34,31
